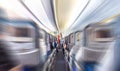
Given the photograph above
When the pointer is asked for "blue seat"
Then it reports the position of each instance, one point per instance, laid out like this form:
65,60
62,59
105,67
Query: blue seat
89,66
29,68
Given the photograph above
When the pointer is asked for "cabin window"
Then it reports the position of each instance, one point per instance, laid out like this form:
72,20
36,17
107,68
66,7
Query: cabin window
24,32
103,34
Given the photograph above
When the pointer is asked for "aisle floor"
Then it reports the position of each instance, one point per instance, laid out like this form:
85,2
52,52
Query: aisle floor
60,64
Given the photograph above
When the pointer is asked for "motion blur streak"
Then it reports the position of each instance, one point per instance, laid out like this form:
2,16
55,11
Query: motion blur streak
59,35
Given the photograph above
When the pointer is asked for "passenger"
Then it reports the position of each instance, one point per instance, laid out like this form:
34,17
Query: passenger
58,40
55,45
62,46
51,46
66,47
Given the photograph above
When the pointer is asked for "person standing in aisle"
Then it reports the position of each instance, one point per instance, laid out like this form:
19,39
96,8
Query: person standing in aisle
56,46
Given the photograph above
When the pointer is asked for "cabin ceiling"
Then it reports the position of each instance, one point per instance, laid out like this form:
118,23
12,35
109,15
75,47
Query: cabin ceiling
61,16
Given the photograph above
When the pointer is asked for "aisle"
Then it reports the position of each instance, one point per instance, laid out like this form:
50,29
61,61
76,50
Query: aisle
60,64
